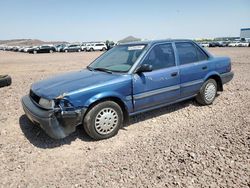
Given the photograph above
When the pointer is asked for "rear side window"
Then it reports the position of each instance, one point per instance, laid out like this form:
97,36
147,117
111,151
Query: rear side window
161,56
189,53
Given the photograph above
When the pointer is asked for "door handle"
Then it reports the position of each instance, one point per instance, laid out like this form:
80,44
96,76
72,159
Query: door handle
204,68
174,74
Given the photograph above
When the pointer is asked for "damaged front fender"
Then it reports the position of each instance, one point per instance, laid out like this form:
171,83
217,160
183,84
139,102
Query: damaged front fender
57,123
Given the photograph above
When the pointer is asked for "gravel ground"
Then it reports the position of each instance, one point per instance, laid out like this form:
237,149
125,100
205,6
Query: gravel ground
182,145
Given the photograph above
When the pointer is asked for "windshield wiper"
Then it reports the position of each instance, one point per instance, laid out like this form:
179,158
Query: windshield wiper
103,70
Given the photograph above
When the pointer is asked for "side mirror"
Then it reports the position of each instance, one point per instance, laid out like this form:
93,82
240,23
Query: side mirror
144,68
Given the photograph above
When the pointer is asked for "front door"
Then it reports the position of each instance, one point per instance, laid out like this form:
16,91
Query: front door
160,86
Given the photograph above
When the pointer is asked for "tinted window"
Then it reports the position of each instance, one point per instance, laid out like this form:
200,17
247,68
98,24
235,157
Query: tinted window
99,44
161,56
189,53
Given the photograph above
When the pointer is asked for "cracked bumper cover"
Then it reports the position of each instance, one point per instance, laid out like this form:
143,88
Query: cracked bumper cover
56,124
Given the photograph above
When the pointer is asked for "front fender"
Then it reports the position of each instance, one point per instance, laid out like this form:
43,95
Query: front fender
126,100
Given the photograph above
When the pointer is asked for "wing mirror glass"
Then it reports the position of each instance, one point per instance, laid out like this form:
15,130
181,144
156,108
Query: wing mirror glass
144,68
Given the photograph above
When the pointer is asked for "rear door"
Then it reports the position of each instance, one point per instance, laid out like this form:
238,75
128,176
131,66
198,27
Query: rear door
194,66
162,84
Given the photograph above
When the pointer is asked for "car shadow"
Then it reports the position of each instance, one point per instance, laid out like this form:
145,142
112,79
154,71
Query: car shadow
159,112
40,139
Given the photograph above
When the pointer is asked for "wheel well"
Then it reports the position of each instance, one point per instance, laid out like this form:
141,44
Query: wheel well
218,81
116,100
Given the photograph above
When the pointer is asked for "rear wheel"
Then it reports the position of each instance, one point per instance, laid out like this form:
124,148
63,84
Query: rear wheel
103,120
79,50
66,51
207,92
51,51
91,49
34,52
103,49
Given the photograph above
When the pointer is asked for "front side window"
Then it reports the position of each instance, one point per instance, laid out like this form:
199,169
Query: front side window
161,56
119,59
189,53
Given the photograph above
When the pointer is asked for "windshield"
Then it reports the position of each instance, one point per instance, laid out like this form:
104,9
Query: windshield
119,59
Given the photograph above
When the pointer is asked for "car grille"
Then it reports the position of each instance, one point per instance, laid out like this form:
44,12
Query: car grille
35,97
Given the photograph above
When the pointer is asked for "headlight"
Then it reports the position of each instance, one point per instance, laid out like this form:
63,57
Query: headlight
45,103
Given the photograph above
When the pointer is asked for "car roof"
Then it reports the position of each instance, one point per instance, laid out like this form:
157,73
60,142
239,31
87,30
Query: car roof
152,42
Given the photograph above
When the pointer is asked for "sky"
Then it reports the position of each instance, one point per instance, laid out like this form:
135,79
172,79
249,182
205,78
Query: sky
91,20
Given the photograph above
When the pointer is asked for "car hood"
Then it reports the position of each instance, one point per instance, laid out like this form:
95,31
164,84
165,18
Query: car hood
62,84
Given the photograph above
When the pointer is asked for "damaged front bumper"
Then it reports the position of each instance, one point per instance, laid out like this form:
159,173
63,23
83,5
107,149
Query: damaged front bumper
56,123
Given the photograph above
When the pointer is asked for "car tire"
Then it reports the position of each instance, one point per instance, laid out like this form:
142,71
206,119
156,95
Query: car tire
103,120
66,51
5,80
79,50
103,49
51,51
34,52
91,49
207,92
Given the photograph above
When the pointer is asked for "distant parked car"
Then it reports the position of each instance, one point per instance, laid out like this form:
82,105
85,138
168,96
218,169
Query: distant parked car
204,44
60,47
97,47
84,46
15,49
21,49
243,44
223,43
214,44
234,44
72,48
27,48
127,80
42,49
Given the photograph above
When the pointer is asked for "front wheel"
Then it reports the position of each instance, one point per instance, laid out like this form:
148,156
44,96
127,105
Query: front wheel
207,92
103,120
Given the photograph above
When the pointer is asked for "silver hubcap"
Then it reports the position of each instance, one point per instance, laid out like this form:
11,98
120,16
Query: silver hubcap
106,121
210,92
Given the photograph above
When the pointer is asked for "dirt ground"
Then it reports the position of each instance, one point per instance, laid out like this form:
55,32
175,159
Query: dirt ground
182,145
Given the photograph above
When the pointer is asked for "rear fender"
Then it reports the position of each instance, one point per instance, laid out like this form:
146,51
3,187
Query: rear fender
216,76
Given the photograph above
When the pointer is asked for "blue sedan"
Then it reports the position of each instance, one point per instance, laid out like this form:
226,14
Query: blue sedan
126,80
